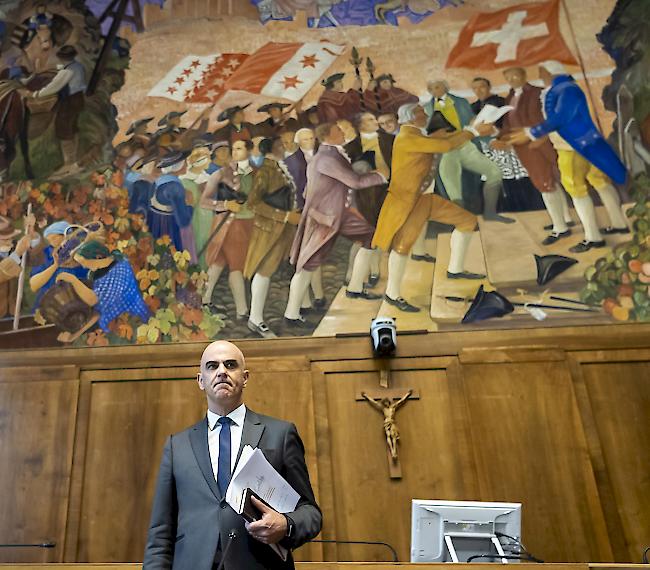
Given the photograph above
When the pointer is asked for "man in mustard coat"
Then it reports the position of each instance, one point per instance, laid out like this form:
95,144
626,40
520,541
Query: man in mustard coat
410,203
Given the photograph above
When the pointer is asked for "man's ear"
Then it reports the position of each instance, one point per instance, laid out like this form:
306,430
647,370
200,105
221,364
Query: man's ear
245,375
199,379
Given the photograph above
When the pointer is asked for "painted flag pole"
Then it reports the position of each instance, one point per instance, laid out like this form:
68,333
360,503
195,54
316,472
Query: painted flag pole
21,277
356,61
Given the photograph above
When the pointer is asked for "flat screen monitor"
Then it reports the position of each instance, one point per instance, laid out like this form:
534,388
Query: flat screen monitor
453,531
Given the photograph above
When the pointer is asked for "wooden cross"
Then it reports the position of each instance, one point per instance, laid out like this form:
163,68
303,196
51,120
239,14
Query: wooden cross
387,402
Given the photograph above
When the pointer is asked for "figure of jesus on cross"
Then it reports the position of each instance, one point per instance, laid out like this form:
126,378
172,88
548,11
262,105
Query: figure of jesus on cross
388,408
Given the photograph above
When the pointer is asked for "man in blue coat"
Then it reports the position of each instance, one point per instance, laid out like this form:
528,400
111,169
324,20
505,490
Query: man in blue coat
583,153
447,111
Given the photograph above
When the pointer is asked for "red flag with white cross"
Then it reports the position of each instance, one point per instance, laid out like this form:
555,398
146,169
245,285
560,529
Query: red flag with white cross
521,35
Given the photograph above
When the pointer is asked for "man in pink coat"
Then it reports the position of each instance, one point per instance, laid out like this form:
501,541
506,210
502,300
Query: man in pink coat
328,213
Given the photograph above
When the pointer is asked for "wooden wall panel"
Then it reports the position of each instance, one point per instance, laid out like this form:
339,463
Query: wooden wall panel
37,421
619,393
131,414
368,505
530,447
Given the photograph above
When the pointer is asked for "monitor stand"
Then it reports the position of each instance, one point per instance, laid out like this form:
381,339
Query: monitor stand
452,551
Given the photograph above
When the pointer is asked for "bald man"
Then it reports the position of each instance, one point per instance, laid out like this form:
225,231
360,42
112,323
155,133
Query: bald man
191,521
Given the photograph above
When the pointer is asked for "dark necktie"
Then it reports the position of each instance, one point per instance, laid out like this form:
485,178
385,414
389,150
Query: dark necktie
223,469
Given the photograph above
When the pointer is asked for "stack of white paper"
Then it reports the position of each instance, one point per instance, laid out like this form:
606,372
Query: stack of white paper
255,472
491,114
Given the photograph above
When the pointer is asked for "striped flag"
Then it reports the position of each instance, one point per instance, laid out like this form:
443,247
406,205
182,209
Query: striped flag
198,78
285,70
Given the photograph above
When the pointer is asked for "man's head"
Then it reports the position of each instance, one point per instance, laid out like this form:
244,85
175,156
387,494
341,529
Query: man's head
67,53
222,155
305,139
330,133
223,376
438,88
413,114
367,123
237,117
241,150
549,69
312,116
199,158
388,122
515,76
349,132
272,148
288,141
481,87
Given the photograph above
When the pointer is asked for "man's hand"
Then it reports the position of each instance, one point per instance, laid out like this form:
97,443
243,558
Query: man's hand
22,246
232,206
518,138
484,129
67,277
271,528
497,144
294,220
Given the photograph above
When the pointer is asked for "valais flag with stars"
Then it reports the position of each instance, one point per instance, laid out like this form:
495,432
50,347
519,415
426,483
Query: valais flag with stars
521,35
285,70
199,79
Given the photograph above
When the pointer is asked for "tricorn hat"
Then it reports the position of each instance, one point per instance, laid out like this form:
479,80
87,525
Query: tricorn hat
266,108
328,82
487,305
550,266
7,230
384,76
172,158
137,124
206,139
172,115
229,113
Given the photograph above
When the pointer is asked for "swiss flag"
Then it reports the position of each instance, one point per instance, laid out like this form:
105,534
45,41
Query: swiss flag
522,35
285,70
198,78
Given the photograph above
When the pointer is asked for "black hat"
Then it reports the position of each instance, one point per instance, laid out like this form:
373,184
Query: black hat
329,82
137,124
67,53
172,158
487,305
170,116
229,113
266,108
550,266
206,139
384,76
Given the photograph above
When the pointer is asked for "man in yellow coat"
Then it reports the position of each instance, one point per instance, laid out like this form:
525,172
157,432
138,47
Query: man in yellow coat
410,203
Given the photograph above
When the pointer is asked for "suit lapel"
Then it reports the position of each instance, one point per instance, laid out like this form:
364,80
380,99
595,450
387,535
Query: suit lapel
199,442
251,433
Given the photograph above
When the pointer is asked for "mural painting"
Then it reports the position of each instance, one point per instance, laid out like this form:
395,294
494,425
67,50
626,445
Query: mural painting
184,170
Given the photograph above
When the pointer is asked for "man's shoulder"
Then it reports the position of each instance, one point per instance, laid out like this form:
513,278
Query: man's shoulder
270,422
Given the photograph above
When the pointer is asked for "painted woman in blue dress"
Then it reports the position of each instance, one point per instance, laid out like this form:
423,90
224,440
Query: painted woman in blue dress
114,288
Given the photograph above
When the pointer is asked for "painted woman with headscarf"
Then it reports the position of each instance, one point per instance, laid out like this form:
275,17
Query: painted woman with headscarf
114,289
44,275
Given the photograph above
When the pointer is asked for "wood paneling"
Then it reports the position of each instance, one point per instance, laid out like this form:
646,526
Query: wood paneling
530,447
37,420
501,416
619,393
367,504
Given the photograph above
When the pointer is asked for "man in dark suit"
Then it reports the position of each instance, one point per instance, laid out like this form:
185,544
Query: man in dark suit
191,521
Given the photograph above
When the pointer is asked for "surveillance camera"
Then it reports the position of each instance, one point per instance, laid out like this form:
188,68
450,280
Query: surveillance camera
383,334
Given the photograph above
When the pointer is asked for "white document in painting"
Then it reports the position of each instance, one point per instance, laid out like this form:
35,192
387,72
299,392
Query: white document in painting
255,472
491,114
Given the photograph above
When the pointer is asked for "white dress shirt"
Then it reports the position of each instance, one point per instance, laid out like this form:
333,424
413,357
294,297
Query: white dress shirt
214,429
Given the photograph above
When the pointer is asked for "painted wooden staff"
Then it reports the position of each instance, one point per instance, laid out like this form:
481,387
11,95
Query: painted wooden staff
21,277
370,68
356,61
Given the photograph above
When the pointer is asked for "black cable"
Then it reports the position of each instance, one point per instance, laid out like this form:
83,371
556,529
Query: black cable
506,556
521,545
393,552
644,558
39,545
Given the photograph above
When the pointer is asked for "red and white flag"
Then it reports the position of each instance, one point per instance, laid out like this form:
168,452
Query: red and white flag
199,78
523,35
286,71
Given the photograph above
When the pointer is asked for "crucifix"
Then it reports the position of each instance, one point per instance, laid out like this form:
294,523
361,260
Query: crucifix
387,402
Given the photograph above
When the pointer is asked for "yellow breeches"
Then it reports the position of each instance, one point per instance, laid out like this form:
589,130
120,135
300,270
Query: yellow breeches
576,171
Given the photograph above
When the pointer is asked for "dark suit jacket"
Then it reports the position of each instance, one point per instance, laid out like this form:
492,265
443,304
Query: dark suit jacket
189,515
